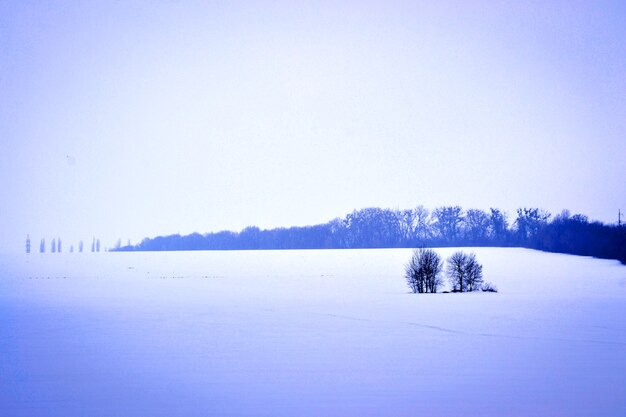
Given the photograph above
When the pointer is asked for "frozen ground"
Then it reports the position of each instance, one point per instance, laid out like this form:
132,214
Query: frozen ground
308,333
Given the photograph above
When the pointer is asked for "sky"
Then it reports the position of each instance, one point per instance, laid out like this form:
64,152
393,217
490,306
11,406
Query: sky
135,119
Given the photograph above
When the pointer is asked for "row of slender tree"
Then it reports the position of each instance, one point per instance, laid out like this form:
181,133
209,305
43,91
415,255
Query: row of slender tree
443,226
56,246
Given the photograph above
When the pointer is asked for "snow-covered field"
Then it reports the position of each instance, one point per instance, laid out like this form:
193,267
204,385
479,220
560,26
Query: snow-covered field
308,333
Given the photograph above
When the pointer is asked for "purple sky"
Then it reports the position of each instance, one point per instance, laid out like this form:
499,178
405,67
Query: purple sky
131,120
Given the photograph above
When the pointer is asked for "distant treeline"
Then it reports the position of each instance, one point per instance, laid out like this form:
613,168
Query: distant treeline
444,226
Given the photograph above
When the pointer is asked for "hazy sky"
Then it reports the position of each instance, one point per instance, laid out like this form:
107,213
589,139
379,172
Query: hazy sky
134,119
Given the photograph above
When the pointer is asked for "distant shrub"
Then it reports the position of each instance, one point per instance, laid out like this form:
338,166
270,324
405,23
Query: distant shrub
489,287
423,271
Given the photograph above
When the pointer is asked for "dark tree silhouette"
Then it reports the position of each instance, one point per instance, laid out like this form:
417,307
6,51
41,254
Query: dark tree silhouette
42,246
464,272
414,275
447,223
374,228
473,273
476,226
529,222
53,248
406,219
455,269
423,271
423,231
498,229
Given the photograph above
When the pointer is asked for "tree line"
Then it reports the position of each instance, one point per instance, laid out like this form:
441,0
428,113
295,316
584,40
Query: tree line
418,227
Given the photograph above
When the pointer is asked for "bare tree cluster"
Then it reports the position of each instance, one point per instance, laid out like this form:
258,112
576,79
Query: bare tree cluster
464,272
423,271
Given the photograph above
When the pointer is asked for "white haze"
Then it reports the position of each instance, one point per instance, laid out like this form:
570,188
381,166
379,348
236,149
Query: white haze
144,118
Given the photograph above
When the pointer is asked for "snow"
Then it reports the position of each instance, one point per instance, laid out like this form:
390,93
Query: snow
308,333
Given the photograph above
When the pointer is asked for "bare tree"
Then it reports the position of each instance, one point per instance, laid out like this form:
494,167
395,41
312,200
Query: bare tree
423,227
423,271
455,269
498,226
414,276
473,273
529,221
448,222
464,272
406,219
415,224
476,225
